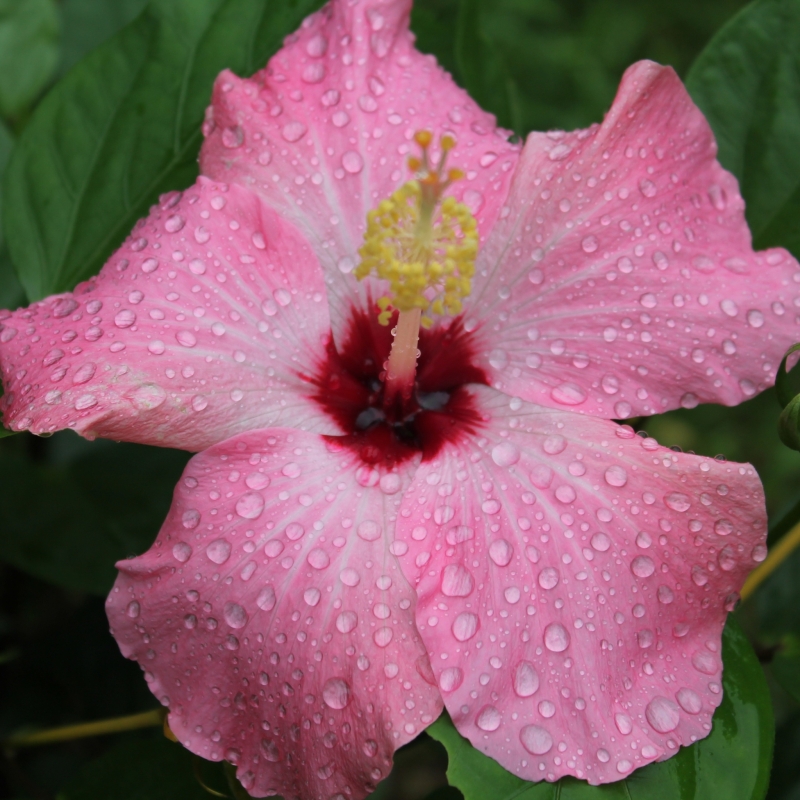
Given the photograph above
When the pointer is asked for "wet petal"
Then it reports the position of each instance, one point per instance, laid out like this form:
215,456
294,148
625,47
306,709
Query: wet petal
573,581
201,325
271,617
623,281
324,132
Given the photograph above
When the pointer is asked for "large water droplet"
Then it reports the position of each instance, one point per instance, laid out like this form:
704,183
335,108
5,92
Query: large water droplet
457,581
556,638
501,552
451,679
250,505
489,719
689,701
505,454
536,740
526,679
219,551
235,615
678,501
616,476
662,714
336,693
643,566
548,578
465,626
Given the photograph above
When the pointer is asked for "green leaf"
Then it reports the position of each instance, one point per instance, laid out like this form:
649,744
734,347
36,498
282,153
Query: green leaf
124,126
138,769
28,51
747,82
789,420
785,665
6,145
732,763
85,24
482,69
69,522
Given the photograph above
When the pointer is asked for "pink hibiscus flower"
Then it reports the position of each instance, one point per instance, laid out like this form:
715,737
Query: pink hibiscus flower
336,567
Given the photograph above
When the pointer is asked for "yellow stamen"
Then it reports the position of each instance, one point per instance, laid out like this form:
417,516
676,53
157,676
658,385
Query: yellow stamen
422,243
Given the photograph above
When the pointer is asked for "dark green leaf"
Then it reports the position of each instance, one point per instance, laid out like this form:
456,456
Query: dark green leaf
149,768
747,82
28,51
732,763
485,76
123,126
6,145
785,665
69,522
86,24
789,420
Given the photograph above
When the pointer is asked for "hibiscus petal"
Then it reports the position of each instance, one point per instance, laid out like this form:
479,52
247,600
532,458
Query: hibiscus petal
573,580
323,133
273,620
623,281
201,325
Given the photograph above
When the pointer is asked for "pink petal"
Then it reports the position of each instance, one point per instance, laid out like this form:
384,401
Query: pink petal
201,325
324,131
623,281
573,581
272,618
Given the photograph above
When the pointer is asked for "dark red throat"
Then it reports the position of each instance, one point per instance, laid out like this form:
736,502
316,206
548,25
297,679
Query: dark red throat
349,388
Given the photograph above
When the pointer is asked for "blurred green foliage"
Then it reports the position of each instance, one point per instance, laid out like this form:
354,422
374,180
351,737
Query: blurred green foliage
558,63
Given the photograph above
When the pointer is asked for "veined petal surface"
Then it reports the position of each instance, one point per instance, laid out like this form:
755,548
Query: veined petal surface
272,618
323,133
202,325
573,581
623,280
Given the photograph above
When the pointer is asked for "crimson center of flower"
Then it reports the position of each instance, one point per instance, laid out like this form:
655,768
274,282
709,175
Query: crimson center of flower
349,386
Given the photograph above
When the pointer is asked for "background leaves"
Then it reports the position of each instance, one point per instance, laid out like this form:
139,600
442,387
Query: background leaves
122,126
747,82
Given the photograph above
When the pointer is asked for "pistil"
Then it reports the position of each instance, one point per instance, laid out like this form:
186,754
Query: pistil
401,367
424,245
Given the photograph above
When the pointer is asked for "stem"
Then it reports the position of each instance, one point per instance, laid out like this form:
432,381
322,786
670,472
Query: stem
66,733
777,555
401,369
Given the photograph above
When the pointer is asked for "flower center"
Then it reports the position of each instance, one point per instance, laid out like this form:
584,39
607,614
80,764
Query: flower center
349,387
424,245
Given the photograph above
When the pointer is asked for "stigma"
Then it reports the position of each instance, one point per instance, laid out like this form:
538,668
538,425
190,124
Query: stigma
422,243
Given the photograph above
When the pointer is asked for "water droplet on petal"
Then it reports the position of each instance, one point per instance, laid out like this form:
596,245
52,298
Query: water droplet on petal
501,552
678,501
336,693
689,701
616,476
457,581
505,454
182,552
465,626
623,723
556,638
536,740
235,615
451,679
489,719
643,566
266,599
526,679
568,394
250,505
662,714
219,551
